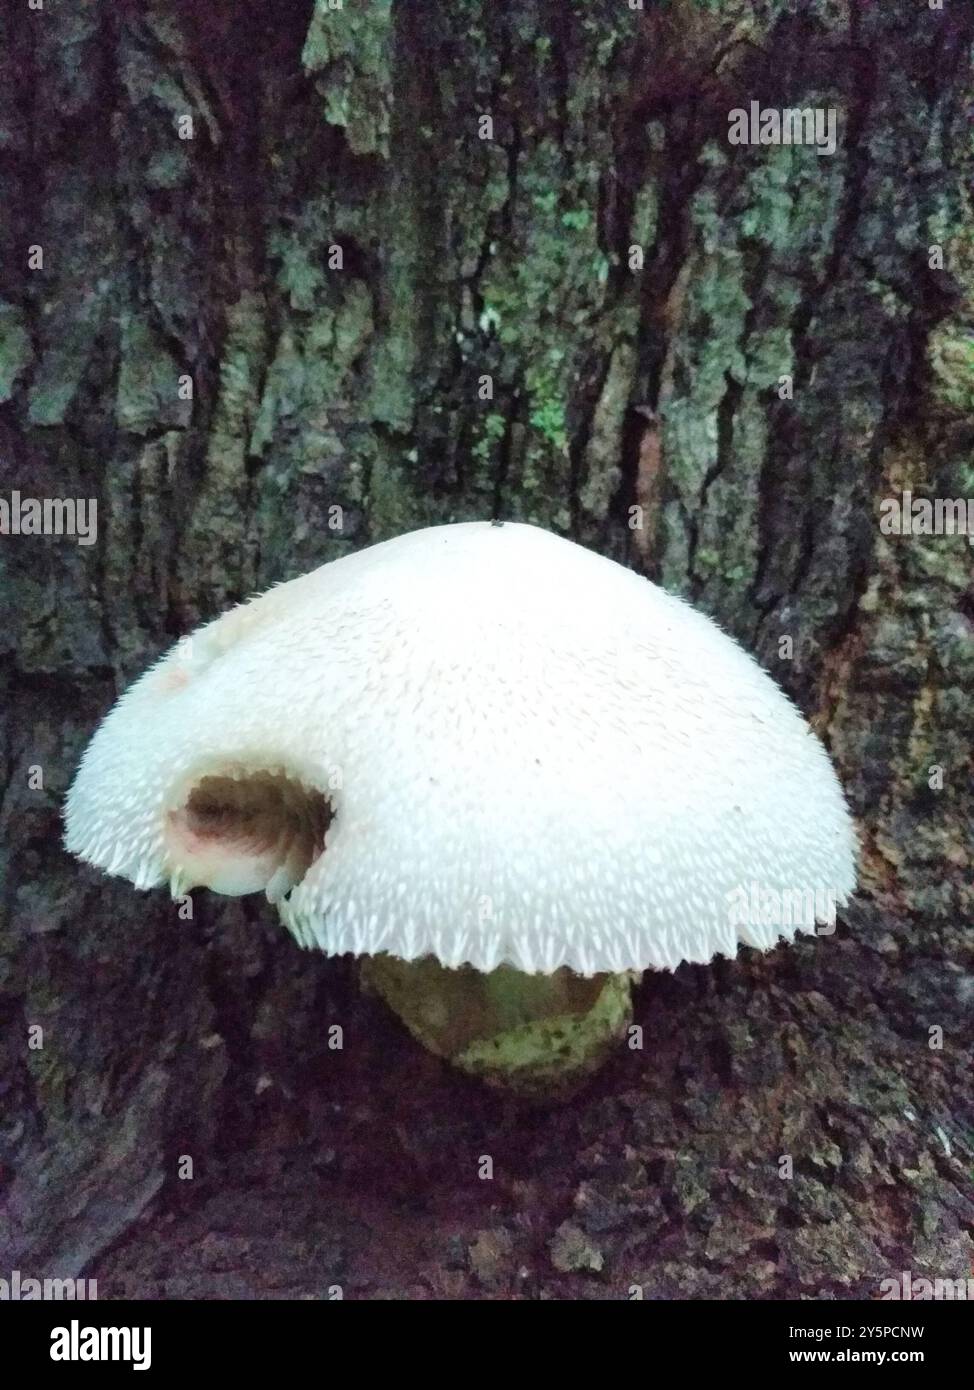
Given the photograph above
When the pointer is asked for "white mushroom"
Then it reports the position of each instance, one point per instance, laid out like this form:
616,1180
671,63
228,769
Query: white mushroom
480,743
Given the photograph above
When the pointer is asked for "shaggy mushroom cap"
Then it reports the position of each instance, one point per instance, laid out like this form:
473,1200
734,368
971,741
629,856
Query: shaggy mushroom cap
476,741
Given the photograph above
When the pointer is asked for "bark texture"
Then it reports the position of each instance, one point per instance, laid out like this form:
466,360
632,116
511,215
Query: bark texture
336,405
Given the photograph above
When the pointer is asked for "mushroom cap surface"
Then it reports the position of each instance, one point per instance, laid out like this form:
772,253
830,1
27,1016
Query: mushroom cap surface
530,755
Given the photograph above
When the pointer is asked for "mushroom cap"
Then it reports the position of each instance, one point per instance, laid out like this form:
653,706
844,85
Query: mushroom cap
530,755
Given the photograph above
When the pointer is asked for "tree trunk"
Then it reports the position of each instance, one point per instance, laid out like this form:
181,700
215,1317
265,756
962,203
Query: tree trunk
420,263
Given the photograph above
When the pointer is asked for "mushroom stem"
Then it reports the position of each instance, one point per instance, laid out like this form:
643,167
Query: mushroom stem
534,1034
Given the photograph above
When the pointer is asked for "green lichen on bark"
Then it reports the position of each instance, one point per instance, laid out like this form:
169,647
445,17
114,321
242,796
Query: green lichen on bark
148,380
16,350
348,49
219,526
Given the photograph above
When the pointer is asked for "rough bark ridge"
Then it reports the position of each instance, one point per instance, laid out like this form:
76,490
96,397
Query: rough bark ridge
358,388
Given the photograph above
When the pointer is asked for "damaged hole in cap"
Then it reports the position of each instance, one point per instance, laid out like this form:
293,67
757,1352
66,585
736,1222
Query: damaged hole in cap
239,832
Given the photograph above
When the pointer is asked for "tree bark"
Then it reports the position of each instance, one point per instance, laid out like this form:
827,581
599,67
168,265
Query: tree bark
450,260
